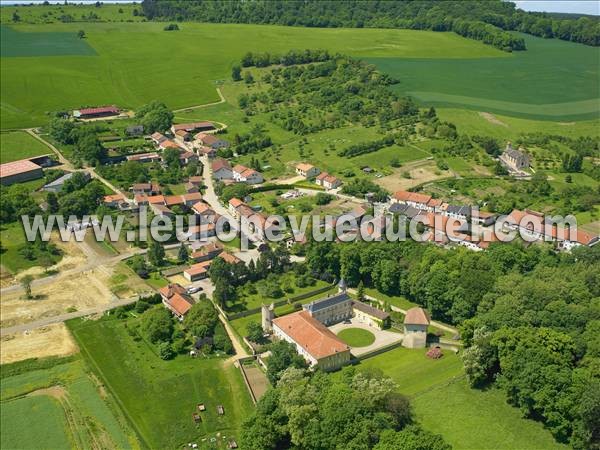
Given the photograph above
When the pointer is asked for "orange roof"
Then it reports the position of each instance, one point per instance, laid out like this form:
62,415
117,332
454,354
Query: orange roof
314,337
192,126
196,269
229,258
191,196
201,207
235,202
435,202
169,144
406,196
156,199
17,167
304,167
176,296
239,168
219,164
114,198
322,176
416,316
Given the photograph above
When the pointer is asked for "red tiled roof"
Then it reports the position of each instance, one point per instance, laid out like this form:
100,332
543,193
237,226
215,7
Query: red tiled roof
416,316
207,138
406,196
322,176
196,269
114,198
17,167
192,126
154,199
191,196
235,202
310,334
201,207
99,110
177,297
219,164
229,258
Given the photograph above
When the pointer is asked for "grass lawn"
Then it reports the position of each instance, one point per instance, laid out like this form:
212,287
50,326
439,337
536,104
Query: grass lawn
15,145
12,238
158,397
399,300
472,419
357,337
29,421
123,63
35,420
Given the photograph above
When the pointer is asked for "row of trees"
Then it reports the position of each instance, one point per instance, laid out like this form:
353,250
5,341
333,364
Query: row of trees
288,59
368,147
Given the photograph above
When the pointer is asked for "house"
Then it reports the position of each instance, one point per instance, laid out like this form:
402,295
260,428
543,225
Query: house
145,188
243,174
211,141
515,160
369,315
193,127
221,169
168,143
414,199
328,181
307,170
186,157
483,218
19,172
233,206
207,252
204,212
144,157
161,210
176,299
458,211
229,258
94,113
207,151
196,180
158,138
320,347
578,238
416,322
197,272
116,201
134,130
183,135
190,187
57,185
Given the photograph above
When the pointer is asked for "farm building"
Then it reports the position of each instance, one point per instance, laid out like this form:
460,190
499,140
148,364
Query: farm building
144,157
19,171
193,127
57,185
221,170
94,113
212,141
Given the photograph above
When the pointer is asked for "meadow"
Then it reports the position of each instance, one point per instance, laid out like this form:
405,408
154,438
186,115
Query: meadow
138,62
17,145
526,84
443,403
158,397
60,405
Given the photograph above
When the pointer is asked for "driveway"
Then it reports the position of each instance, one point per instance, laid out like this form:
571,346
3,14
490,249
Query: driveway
383,338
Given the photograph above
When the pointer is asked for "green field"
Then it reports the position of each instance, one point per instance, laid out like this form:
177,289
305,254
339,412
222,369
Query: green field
159,397
53,403
53,12
443,403
527,84
28,421
139,62
17,145
356,337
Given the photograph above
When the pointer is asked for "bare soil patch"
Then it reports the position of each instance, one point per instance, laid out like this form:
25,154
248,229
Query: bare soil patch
492,119
52,340
420,172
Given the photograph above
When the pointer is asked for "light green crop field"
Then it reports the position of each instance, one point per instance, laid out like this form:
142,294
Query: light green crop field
27,422
530,84
52,13
158,397
443,403
17,145
39,397
138,62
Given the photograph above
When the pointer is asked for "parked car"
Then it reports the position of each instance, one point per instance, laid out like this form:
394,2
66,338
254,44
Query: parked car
194,289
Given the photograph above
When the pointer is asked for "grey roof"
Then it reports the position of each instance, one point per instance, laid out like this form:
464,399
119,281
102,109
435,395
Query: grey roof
460,210
412,212
326,302
368,309
516,154
397,208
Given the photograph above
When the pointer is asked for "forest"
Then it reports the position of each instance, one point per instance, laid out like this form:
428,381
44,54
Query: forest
529,318
488,21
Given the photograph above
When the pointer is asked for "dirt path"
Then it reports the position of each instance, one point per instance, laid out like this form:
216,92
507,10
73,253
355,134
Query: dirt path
492,119
64,161
222,100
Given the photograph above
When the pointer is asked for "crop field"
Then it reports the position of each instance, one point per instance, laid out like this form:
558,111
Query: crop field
17,145
158,397
525,84
53,403
138,62
441,399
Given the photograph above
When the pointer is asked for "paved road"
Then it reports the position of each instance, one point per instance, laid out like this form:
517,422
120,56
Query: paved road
67,316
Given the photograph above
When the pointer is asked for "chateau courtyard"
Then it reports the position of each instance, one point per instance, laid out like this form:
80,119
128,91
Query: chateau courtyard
383,338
